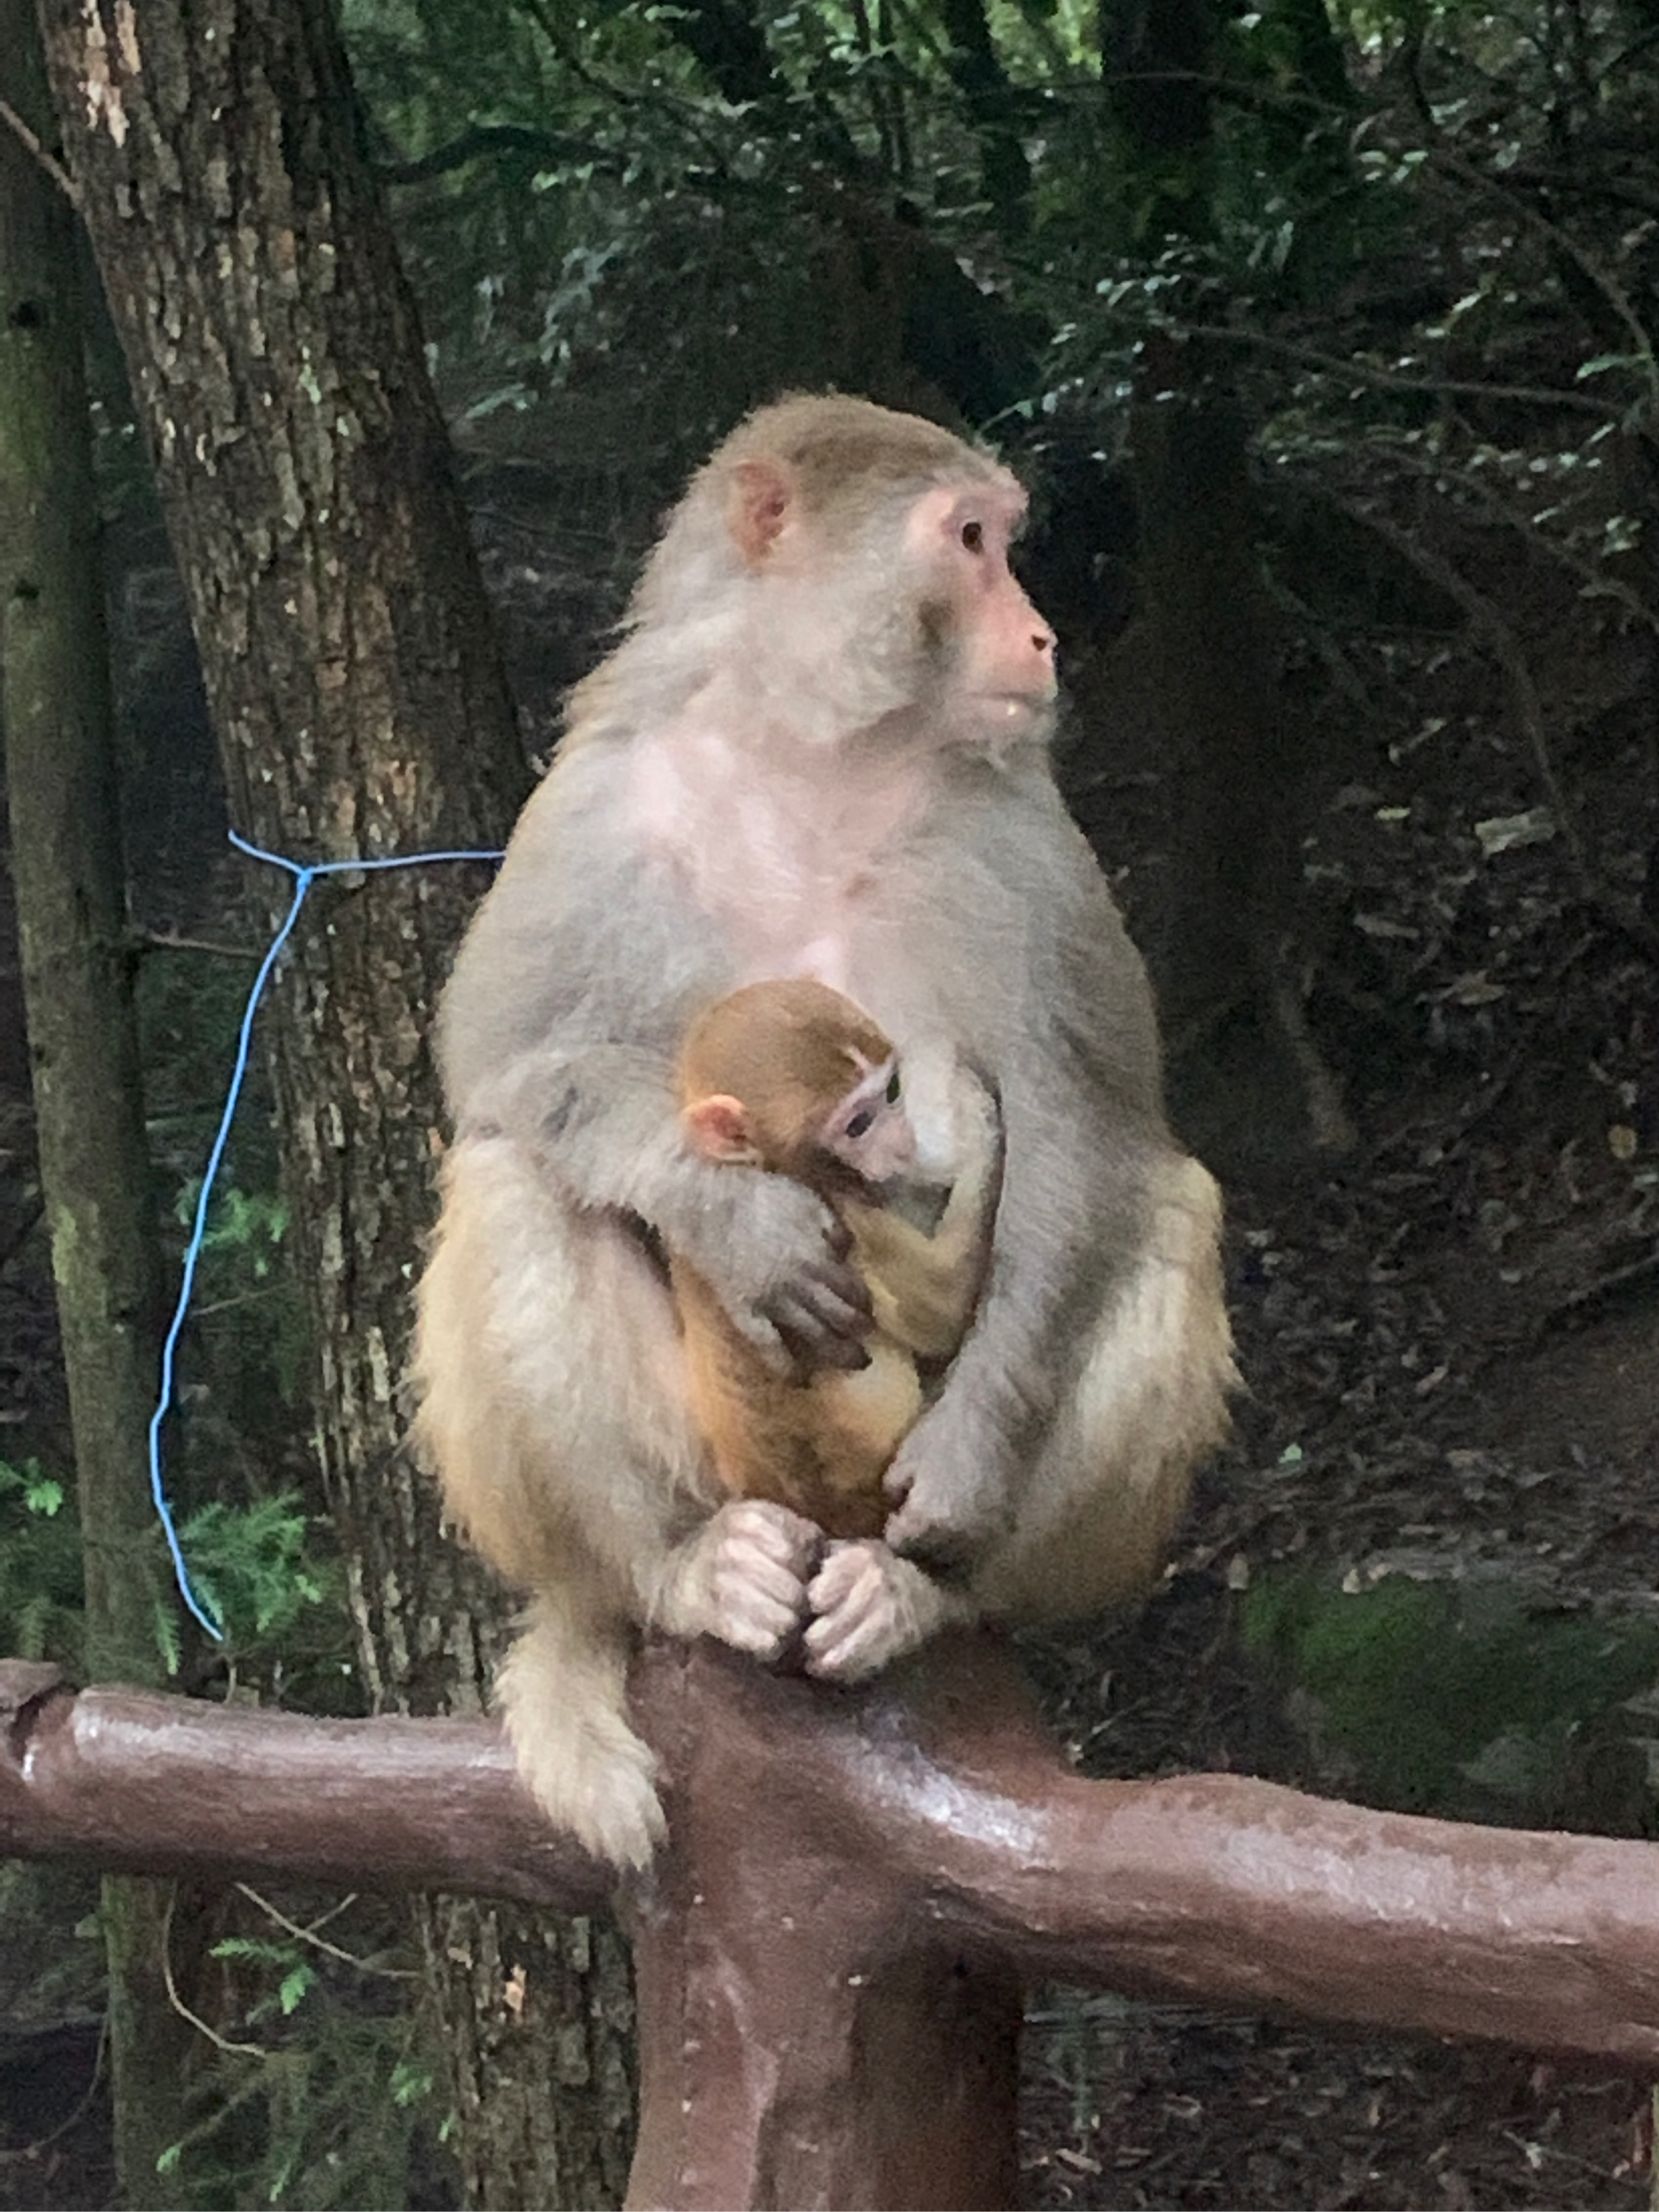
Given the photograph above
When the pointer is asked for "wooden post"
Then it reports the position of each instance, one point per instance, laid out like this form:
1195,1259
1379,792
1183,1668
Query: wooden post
813,2029
830,1947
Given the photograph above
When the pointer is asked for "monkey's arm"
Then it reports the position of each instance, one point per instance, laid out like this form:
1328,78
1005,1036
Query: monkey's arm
1072,1055
924,1283
603,1120
957,1478
560,1029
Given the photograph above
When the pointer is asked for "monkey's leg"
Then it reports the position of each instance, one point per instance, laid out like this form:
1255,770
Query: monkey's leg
562,1689
549,1377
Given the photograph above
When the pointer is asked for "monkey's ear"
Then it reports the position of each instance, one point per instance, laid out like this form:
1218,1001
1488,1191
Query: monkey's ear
758,506
719,1128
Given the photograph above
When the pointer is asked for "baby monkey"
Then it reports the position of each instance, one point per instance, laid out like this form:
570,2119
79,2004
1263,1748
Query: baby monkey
791,1077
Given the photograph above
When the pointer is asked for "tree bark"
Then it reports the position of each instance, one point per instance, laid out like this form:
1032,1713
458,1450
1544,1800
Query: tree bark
1206,633
362,710
976,69
77,973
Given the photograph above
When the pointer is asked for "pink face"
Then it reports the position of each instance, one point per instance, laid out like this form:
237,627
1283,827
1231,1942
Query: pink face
1004,650
870,1130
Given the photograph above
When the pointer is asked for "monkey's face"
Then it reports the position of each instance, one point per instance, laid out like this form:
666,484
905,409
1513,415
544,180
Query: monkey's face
993,653
874,598
870,1131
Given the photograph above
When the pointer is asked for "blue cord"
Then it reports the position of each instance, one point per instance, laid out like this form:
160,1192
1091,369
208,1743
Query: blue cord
303,880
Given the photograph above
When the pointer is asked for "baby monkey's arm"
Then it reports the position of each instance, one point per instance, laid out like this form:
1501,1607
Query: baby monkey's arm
925,1280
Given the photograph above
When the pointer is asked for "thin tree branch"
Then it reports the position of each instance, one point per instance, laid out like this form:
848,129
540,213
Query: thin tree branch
53,167
1354,370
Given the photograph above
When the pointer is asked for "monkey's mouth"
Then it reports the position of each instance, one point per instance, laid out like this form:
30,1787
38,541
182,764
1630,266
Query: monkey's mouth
1017,706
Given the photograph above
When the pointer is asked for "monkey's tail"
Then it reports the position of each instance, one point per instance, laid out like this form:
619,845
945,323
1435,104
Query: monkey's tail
563,1690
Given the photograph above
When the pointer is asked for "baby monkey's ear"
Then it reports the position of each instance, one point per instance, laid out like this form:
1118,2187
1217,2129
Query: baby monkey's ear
719,1128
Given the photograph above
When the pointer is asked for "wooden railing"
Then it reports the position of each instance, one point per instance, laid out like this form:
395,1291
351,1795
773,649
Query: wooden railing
831,1954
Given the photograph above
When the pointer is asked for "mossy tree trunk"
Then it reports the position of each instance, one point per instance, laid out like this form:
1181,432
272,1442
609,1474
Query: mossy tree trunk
357,692
55,710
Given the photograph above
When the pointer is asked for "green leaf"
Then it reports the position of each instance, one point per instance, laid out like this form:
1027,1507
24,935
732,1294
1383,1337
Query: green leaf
292,1990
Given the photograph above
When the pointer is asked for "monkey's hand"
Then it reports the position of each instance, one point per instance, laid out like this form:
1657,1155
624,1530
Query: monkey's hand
742,1577
602,1120
777,1262
950,1493
871,1608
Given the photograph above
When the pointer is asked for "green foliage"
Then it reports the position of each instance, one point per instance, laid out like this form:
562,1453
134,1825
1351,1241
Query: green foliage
653,194
292,1979
40,1590
40,1493
254,1566
189,1007
412,2081
1466,1698
292,2097
280,1599
248,1226
246,1309
641,185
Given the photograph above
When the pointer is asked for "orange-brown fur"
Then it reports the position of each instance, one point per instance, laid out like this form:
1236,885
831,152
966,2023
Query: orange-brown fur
786,1050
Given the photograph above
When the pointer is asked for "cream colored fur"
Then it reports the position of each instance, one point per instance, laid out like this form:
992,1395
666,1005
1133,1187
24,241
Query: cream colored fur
553,1402
820,750
552,1405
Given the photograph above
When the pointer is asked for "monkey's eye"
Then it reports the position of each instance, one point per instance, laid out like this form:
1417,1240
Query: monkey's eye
893,1088
860,1124
973,537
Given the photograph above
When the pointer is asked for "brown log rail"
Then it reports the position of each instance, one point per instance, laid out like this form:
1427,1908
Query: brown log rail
830,1956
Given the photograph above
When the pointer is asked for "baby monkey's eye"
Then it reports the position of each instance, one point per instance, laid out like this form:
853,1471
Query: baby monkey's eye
860,1124
893,1088
973,537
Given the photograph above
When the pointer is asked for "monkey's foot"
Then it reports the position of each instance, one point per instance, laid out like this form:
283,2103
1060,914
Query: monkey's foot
871,1608
742,1577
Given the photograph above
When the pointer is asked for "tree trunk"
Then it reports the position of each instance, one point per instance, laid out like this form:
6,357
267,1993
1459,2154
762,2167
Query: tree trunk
55,709
1206,634
1247,1085
362,710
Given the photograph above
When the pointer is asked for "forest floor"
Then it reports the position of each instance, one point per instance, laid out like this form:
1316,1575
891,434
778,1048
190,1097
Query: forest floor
1449,1338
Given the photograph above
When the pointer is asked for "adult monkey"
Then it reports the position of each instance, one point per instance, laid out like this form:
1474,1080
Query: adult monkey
820,750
